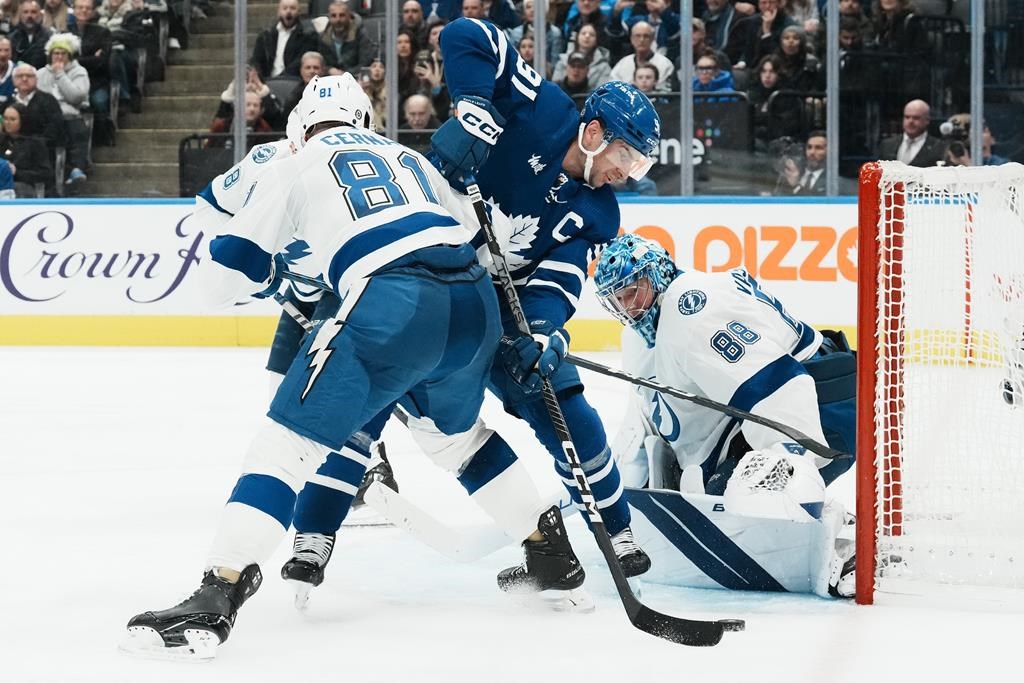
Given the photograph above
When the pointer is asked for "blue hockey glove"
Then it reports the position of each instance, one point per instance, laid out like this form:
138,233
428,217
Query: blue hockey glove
463,142
528,360
277,269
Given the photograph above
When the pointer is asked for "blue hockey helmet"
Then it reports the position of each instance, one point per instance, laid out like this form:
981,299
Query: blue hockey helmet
628,115
622,265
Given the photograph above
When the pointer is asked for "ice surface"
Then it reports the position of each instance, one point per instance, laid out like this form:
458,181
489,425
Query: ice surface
114,464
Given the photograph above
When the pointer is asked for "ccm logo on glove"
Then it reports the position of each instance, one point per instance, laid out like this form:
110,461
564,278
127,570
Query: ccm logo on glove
478,122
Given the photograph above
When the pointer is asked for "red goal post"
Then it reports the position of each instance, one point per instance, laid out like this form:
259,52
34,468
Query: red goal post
940,452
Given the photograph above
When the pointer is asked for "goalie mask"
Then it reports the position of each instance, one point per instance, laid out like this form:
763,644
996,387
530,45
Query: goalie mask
632,275
335,98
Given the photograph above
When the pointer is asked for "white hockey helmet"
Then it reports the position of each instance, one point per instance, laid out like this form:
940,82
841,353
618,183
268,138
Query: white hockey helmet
335,98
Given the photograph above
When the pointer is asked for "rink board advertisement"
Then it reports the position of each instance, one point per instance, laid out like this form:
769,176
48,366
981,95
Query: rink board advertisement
123,272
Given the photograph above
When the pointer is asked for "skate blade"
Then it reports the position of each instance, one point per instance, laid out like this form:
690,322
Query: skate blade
575,601
145,642
302,591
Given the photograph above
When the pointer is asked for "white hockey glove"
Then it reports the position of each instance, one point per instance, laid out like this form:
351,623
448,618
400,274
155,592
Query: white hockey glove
776,484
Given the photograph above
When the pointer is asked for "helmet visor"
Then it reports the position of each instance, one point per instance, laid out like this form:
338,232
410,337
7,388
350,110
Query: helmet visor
633,161
629,299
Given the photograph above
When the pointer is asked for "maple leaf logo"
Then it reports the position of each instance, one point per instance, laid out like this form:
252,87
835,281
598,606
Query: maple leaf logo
524,231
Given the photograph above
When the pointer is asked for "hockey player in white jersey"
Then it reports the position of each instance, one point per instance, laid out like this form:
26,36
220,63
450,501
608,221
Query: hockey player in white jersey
382,229
720,335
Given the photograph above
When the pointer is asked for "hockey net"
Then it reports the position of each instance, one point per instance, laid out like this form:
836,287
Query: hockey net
940,453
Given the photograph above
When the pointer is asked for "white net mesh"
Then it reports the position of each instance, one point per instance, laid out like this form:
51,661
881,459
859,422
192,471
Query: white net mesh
949,448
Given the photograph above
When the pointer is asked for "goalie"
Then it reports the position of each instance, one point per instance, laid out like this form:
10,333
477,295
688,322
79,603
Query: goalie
729,503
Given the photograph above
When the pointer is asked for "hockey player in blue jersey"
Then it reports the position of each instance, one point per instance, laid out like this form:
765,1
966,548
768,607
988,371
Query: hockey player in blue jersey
548,168
720,335
380,224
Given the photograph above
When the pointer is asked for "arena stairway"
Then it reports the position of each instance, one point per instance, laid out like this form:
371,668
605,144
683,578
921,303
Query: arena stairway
144,163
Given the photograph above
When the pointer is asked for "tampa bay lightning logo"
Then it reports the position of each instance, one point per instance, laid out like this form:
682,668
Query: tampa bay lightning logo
663,416
692,302
263,154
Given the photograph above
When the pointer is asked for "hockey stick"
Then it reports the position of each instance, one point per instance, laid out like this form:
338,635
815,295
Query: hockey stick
675,629
807,442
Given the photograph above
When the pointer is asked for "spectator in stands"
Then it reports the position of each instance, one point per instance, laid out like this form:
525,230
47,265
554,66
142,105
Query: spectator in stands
42,117
755,36
27,155
344,44
68,82
111,13
473,9
271,108
553,41
95,56
586,12
408,82
701,45
28,38
641,37
525,48
501,13
665,23
312,64
6,71
375,87
645,78
412,19
279,48
429,70
576,78
958,130
599,71
812,182
889,22
780,119
851,36
718,19
790,159
800,68
805,14
434,38
708,77
855,29
418,113
254,121
914,146
55,15
8,15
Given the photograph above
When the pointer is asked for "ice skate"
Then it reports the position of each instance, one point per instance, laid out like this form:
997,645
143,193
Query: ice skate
193,628
305,570
551,574
633,560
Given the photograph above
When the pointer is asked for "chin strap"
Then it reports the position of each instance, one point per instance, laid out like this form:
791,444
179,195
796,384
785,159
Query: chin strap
589,163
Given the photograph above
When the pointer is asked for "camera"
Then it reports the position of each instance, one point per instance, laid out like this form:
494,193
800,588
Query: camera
424,58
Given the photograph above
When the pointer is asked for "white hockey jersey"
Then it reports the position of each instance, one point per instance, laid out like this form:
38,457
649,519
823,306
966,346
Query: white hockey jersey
356,199
720,336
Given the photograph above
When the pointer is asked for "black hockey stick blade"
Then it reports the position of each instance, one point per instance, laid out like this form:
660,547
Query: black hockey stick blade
679,630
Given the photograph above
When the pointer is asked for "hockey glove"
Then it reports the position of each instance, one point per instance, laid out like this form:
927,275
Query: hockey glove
529,360
463,142
278,267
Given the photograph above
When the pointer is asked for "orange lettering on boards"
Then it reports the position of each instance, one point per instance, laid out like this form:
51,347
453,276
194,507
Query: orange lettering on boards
769,252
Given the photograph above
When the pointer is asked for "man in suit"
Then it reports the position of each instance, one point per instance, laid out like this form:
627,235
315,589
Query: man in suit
279,49
43,117
812,182
914,147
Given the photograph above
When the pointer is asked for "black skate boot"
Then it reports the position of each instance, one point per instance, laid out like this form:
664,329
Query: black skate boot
380,470
305,570
193,628
551,569
633,560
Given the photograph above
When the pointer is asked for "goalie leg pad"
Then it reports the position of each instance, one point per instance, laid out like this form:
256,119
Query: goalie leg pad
261,506
776,483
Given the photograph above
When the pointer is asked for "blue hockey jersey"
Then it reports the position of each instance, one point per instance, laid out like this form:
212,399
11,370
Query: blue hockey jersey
557,221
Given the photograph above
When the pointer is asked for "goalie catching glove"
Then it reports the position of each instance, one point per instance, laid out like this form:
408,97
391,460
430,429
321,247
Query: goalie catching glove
780,482
530,360
463,142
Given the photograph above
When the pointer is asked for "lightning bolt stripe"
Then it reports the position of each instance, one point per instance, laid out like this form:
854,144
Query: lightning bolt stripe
243,255
320,352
